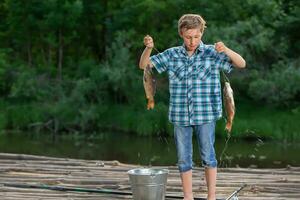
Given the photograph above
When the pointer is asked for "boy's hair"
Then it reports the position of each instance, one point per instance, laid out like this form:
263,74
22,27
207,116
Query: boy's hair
191,21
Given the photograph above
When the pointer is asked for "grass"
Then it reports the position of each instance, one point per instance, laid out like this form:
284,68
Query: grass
255,120
252,120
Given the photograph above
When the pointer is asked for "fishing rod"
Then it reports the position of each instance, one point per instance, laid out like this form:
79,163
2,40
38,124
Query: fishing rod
101,191
65,189
234,196
76,189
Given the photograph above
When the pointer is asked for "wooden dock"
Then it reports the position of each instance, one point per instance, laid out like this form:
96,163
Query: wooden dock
262,184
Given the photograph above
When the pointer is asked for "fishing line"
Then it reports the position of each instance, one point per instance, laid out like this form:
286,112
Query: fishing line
156,49
225,79
224,150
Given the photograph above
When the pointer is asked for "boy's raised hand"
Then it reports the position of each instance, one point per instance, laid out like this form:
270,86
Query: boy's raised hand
148,41
220,47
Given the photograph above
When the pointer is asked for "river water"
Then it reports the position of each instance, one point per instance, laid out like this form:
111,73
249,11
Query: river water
149,151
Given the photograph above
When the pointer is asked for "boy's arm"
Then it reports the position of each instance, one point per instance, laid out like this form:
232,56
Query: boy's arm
145,57
237,60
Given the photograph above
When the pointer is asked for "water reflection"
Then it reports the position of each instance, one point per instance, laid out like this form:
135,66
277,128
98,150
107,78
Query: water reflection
149,151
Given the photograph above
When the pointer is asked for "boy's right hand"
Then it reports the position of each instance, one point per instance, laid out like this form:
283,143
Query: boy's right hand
148,41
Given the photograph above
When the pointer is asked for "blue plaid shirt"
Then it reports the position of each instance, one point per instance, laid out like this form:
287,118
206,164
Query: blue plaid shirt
194,83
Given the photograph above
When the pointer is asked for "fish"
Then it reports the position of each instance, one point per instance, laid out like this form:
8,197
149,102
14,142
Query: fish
228,105
149,86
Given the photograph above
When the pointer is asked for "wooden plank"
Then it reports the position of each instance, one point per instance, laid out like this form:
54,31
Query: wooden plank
264,184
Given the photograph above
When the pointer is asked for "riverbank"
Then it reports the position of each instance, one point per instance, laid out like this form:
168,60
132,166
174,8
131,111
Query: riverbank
155,150
252,121
262,184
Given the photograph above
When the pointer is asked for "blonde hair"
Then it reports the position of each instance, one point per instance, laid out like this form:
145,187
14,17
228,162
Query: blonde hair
191,21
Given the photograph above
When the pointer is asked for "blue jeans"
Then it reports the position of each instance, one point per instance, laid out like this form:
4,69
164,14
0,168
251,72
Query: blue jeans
205,135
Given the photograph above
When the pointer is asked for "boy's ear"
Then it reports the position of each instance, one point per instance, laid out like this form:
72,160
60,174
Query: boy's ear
180,33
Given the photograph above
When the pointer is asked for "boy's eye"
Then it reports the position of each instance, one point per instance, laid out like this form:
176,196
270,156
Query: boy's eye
189,37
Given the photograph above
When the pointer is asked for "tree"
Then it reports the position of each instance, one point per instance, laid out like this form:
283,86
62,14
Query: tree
93,30
23,16
62,20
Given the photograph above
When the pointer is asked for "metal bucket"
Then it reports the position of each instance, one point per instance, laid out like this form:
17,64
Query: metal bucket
148,184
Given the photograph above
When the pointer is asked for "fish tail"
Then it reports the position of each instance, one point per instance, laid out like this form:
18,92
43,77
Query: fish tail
150,104
228,127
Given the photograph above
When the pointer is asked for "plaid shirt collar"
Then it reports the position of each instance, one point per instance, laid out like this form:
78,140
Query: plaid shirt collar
199,49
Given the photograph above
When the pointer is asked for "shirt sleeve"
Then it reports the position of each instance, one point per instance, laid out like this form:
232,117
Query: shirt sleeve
160,61
223,62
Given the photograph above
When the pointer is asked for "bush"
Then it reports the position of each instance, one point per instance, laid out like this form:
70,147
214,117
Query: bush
118,76
279,86
6,75
31,86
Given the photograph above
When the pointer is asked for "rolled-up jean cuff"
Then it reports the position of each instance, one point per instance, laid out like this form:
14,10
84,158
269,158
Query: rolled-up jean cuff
210,165
184,169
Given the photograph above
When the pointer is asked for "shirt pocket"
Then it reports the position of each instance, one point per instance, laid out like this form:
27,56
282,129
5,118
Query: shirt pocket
202,68
177,69
177,73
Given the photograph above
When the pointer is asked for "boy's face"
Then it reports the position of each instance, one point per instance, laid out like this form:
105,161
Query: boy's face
191,38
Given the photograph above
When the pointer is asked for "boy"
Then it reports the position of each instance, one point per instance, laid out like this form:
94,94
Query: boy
195,95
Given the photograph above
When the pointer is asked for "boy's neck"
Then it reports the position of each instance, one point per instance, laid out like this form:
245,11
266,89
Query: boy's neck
190,53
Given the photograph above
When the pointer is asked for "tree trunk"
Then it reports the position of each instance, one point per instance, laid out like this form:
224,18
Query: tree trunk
49,60
43,50
102,44
29,54
60,54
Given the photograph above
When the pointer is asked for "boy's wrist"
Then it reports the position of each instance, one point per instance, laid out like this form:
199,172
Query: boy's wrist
150,48
226,50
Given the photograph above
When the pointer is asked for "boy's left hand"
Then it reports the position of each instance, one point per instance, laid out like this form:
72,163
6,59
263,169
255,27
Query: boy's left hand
220,47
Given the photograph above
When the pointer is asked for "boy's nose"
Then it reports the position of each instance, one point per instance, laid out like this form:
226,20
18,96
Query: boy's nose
192,41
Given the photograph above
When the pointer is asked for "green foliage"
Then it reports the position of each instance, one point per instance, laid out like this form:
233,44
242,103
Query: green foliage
266,122
6,75
279,86
154,122
28,86
118,75
21,117
95,46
